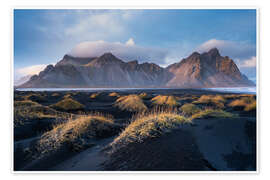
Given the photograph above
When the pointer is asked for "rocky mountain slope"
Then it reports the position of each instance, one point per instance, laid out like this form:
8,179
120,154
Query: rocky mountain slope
209,69
198,70
103,71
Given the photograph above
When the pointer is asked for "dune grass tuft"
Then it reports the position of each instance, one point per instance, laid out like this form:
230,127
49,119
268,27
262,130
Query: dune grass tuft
68,95
94,95
74,131
131,103
25,111
114,94
148,125
25,103
212,113
165,100
189,109
56,95
67,104
144,95
251,106
243,102
216,100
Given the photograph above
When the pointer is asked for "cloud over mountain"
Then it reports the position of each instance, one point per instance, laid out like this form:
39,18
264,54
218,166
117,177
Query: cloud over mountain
248,63
239,50
126,51
31,70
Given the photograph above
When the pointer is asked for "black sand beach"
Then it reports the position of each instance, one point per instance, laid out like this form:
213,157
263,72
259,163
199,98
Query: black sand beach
218,133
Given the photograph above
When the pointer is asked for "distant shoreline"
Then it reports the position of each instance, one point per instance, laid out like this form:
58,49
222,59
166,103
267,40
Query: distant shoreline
247,90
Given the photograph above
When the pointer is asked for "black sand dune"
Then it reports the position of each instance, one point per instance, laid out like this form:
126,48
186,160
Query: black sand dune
209,143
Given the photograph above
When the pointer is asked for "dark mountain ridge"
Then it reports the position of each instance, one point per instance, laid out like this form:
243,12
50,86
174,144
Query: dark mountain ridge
208,69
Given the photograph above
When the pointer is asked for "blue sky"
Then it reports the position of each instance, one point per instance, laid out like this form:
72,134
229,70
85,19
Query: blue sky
43,37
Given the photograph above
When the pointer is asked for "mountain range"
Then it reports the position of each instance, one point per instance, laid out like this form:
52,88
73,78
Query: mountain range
208,69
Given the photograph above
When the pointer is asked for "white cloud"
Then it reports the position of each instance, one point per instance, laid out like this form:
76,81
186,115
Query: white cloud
248,63
92,25
240,50
98,25
130,42
69,26
31,70
127,51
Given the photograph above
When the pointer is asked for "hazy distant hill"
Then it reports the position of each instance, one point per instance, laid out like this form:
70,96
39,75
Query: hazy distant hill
198,70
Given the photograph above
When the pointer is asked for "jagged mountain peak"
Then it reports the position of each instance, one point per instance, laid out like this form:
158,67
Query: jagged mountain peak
70,60
208,69
105,60
214,52
194,55
109,57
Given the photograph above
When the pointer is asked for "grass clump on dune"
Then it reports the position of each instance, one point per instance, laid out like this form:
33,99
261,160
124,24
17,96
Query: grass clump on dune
26,111
68,95
114,94
244,102
94,95
189,109
76,132
216,100
67,104
131,103
25,103
251,106
148,126
55,95
144,95
212,113
165,100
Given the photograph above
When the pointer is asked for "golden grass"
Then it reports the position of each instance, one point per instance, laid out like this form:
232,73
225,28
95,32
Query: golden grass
212,113
68,96
236,96
165,100
74,130
130,103
250,107
231,96
25,103
247,102
67,104
144,95
94,95
217,100
114,94
27,111
149,125
55,95
189,109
